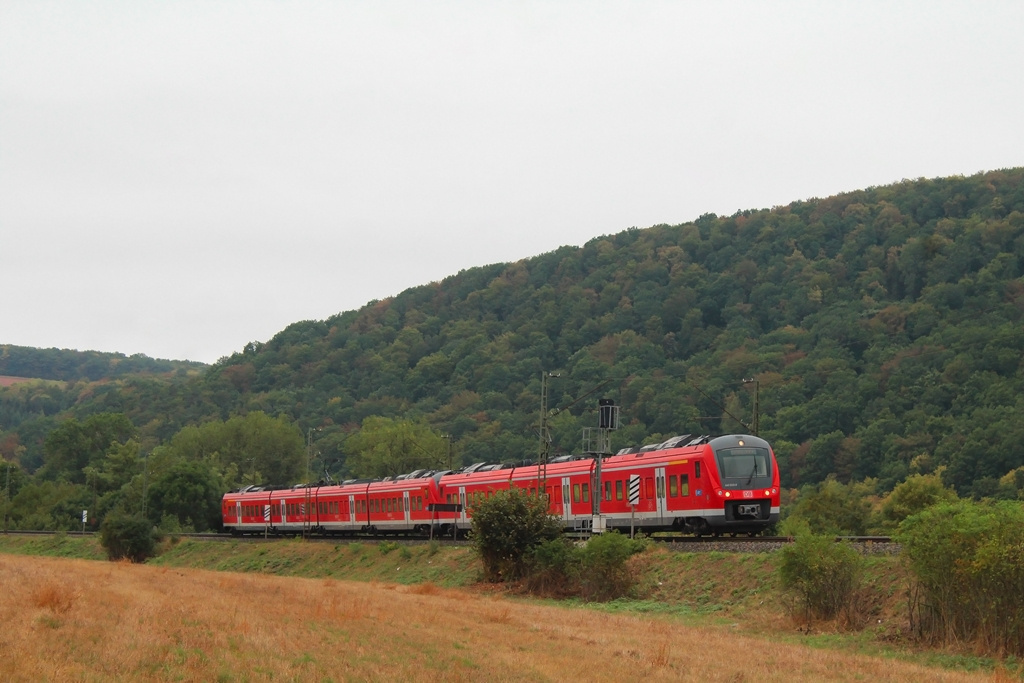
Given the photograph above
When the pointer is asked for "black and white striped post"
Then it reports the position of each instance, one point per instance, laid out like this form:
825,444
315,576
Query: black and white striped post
634,499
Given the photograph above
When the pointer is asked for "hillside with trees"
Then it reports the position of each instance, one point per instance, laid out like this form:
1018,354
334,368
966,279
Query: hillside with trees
68,365
879,331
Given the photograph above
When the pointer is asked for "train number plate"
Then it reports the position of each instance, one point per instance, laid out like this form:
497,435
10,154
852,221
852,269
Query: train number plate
748,494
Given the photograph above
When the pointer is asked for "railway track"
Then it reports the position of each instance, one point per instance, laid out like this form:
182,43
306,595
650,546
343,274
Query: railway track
869,545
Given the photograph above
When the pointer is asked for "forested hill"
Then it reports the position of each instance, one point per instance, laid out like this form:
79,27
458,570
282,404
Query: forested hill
71,365
883,328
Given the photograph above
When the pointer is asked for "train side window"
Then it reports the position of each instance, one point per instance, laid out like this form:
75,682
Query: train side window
586,493
661,486
649,483
607,490
575,493
673,486
618,490
684,484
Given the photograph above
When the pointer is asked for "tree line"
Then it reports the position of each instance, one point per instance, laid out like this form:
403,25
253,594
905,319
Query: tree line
879,331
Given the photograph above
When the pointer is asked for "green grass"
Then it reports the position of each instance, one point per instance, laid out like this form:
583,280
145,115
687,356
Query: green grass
447,567
58,545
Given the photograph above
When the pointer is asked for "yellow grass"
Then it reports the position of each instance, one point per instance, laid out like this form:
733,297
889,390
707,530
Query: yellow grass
80,620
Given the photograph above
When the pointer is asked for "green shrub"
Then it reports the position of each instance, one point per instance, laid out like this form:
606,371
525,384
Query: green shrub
917,493
966,561
824,576
506,529
832,507
126,536
554,568
604,574
387,547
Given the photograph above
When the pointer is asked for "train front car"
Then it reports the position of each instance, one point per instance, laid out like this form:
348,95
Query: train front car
744,485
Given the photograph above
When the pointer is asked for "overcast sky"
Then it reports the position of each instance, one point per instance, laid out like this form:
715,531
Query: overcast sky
180,178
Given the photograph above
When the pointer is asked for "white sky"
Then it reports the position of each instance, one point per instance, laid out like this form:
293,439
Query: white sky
181,178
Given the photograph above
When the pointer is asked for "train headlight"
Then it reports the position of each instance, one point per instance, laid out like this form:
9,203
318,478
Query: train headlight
767,493
728,494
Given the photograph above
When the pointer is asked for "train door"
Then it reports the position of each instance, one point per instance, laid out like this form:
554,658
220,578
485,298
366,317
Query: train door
352,511
405,503
238,514
659,493
566,501
462,516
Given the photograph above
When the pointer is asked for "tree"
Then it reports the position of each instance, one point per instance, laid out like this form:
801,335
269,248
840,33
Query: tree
832,508
189,491
128,537
507,528
249,445
74,445
384,447
918,492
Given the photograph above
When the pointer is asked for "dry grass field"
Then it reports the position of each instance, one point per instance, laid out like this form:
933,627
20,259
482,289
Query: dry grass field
77,620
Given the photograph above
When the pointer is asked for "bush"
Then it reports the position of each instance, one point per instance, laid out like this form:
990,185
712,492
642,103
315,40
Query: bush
507,527
595,570
554,568
604,574
832,507
127,536
917,493
966,561
823,575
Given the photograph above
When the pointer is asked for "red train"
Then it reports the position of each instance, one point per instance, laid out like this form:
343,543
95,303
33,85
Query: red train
704,485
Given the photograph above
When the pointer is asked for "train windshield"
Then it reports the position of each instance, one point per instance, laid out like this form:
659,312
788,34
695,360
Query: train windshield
744,463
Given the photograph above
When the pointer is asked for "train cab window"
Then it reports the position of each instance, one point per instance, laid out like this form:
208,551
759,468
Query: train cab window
575,493
618,490
673,486
696,470
586,493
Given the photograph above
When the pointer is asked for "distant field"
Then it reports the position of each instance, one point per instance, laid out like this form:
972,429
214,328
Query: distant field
70,619
8,381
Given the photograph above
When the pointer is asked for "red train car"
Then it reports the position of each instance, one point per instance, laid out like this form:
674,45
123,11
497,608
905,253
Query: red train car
704,485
